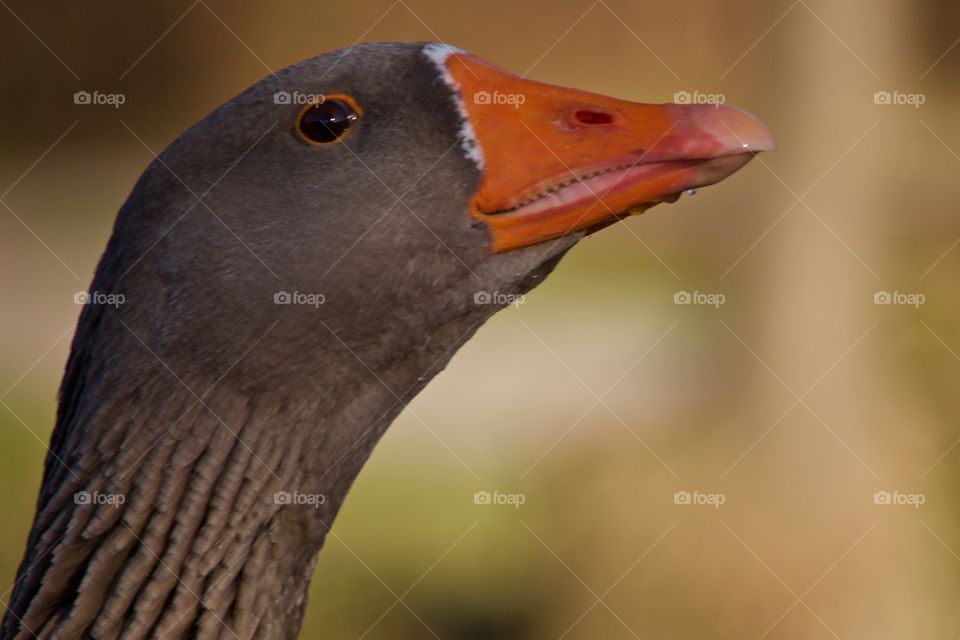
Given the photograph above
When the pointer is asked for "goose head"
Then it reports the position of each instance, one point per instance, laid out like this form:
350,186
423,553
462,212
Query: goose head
292,270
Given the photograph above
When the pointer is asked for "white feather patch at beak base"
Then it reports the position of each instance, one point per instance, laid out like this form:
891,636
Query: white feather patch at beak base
438,54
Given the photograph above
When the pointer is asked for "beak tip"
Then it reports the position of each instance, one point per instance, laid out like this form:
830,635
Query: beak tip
707,131
758,146
747,130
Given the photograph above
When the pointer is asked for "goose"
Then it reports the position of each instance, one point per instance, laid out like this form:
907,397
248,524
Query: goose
280,282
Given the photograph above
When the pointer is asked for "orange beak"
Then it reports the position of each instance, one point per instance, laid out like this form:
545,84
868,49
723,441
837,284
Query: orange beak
558,160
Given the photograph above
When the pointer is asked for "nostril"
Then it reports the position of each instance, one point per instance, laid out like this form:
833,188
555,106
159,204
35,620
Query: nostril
587,116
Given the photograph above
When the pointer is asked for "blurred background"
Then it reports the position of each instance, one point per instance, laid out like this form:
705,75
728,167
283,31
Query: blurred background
779,464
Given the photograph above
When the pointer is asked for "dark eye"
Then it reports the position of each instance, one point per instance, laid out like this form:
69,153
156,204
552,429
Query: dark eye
328,121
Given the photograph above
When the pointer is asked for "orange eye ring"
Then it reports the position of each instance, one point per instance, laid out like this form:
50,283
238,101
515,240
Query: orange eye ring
328,120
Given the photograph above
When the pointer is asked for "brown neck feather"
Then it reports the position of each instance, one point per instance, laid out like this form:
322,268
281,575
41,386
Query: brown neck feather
169,513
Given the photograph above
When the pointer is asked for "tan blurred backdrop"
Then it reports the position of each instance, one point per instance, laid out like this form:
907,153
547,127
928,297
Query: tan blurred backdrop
799,403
